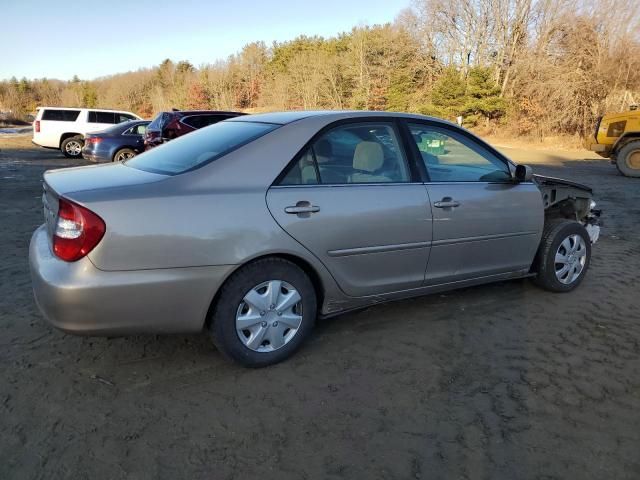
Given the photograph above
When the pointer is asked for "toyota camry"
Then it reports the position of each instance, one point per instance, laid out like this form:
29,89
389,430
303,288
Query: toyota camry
254,227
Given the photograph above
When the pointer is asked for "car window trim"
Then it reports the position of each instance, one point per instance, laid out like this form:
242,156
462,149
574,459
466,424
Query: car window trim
340,185
393,121
474,139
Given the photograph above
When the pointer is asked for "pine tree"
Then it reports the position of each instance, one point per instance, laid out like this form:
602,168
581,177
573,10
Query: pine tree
448,96
483,95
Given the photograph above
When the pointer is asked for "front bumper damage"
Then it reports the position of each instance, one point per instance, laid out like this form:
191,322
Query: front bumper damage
570,199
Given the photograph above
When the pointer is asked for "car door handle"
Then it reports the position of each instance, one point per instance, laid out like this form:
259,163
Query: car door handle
446,202
302,209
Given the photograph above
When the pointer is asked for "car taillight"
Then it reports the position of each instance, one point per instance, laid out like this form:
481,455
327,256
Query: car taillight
37,126
91,140
78,231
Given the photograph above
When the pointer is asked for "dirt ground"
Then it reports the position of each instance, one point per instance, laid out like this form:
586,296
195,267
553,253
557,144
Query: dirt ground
496,382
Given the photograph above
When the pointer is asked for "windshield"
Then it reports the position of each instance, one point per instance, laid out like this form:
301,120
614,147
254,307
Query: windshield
200,147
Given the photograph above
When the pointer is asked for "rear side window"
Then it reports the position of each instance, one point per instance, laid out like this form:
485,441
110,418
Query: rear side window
61,115
136,130
200,121
102,117
200,147
124,117
353,153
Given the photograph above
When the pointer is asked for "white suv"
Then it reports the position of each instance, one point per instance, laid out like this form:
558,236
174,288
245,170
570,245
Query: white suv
64,128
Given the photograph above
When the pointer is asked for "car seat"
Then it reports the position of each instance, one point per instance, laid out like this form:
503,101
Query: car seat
367,159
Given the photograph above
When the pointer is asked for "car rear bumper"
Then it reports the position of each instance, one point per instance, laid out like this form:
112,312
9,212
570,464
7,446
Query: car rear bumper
94,156
79,298
91,158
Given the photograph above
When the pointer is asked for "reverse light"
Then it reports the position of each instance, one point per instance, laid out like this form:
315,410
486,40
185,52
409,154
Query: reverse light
78,231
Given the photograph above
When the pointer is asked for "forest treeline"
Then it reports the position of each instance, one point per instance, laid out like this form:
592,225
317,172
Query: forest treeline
527,67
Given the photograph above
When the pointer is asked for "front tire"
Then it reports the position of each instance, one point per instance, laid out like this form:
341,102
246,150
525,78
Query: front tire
563,256
72,147
264,313
628,159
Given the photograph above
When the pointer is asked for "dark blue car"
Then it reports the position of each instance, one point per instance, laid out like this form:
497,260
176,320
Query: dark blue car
117,143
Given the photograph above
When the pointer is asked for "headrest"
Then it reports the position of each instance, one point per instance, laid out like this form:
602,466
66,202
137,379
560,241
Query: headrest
368,156
323,148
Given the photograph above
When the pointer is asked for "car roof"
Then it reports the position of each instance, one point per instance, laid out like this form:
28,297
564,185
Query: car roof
83,108
202,112
283,118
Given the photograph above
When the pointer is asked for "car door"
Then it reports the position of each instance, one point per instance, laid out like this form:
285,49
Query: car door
353,200
135,136
484,223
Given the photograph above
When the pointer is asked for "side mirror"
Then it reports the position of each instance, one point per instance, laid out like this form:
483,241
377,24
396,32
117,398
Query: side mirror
524,173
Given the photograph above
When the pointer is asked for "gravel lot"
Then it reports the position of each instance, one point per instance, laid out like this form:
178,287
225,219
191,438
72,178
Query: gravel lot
499,382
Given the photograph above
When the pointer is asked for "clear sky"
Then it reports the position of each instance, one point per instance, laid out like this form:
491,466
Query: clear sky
91,38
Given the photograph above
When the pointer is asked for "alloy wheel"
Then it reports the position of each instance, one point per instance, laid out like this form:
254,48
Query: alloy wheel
73,148
122,156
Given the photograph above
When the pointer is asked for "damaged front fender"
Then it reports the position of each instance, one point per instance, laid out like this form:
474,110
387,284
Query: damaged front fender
566,199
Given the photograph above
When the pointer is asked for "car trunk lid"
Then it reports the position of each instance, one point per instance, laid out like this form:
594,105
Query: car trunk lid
94,177
68,181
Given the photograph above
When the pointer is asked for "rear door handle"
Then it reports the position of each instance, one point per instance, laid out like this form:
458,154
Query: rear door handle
302,208
446,202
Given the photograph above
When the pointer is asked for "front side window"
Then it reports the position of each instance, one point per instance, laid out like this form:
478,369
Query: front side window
451,157
200,147
352,153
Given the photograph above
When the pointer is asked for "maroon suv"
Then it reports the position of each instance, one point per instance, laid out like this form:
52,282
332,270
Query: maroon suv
169,125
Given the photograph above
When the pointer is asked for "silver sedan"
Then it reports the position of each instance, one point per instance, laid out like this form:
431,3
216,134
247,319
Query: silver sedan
254,227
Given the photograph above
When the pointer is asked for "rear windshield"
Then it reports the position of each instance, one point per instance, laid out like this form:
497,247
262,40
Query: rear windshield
120,127
159,122
200,147
61,115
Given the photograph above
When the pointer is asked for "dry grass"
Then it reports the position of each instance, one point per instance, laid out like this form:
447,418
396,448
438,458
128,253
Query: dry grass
559,142
16,141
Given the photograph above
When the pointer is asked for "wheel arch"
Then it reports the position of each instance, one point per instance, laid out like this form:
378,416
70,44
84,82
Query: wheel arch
124,147
66,135
297,260
623,140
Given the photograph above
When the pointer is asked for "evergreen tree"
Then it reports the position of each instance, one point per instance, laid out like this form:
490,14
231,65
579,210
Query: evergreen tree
448,96
483,95
89,95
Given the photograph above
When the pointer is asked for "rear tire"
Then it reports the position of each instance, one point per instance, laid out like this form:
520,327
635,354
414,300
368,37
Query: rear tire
563,256
263,297
72,147
628,159
124,154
